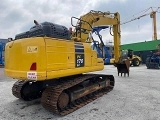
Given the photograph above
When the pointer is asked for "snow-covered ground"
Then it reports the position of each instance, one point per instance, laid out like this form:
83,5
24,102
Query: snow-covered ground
136,97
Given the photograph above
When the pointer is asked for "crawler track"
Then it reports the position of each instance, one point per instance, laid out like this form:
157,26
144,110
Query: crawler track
17,87
27,90
51,94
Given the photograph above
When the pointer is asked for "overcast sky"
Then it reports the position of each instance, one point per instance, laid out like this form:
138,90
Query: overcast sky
17,16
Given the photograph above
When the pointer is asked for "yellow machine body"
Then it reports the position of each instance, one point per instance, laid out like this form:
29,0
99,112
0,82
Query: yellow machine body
57,66
43,58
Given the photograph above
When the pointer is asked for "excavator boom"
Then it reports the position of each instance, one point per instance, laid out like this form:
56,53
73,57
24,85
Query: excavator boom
87,22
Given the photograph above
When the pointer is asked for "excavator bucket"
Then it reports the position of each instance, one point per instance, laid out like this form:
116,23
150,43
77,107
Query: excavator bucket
123,67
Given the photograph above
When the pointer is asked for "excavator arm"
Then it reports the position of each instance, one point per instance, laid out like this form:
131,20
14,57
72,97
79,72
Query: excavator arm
86,23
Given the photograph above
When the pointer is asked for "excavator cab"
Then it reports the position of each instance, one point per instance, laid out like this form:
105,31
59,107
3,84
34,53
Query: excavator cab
100,47
130,53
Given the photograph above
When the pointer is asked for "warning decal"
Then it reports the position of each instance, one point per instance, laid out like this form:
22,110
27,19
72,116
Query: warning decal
32,75
32,49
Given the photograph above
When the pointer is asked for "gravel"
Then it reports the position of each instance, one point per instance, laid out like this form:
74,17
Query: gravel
136,97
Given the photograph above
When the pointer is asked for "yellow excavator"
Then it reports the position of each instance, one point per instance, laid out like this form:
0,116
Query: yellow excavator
135,60
52,62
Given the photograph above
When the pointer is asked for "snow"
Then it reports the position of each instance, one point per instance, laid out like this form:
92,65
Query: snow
136,97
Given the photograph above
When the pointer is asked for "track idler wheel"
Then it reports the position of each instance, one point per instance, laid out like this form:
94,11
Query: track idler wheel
63,100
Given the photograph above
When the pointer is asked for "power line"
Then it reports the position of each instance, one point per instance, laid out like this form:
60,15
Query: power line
152,14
